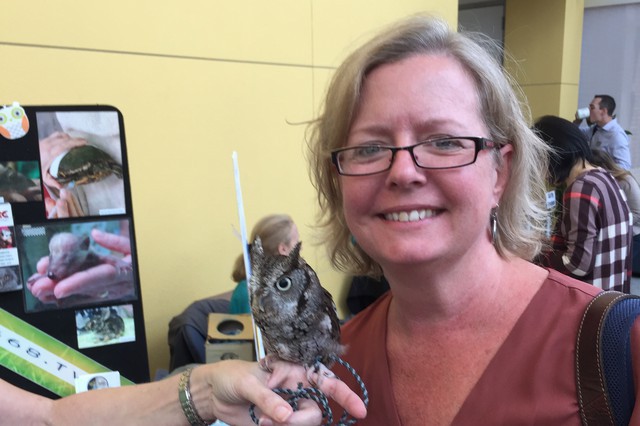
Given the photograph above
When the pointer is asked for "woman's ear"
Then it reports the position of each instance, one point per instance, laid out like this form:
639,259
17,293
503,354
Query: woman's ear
503,170
283,249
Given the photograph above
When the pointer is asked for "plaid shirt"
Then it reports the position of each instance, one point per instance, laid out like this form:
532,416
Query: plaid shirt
593,243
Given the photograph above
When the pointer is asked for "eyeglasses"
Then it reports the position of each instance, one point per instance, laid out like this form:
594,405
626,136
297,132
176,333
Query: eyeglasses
442,153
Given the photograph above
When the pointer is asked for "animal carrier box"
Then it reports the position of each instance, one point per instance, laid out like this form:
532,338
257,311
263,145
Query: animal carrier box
229,337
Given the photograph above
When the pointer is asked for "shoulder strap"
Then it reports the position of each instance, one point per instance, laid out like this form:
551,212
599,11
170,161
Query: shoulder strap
593,398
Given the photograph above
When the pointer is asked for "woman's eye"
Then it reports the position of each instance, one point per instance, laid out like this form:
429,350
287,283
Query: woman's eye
367,151
446,144
284,284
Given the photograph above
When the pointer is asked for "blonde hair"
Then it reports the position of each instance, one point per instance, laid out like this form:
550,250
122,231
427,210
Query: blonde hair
273,230
522,212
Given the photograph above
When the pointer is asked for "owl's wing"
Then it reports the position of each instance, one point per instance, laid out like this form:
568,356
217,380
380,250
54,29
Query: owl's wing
330,309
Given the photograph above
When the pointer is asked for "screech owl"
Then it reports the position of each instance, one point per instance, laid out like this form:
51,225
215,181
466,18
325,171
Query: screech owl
296,314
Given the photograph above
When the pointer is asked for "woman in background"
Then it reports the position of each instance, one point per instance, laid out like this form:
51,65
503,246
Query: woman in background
631,189
592,240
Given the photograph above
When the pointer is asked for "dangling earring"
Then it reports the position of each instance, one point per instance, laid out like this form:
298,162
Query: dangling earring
493,224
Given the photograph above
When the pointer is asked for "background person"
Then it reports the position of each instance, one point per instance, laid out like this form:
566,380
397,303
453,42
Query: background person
592,240
631,189
422,155
605,133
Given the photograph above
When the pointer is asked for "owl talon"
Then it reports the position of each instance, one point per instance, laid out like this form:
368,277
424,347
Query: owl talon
264,363
317,373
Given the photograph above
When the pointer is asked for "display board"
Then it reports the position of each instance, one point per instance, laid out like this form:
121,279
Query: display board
69,284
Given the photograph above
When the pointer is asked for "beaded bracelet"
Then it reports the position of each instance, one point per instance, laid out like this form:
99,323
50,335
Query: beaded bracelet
186,402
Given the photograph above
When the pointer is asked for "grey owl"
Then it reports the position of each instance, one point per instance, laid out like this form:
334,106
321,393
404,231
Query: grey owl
295,313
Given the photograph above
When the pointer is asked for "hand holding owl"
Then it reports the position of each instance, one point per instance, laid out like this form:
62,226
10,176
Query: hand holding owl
230,386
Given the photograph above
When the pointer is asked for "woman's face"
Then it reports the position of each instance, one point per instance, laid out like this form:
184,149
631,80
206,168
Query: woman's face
418,98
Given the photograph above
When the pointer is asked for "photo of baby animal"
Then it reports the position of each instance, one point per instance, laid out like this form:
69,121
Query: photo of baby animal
73,265
105,326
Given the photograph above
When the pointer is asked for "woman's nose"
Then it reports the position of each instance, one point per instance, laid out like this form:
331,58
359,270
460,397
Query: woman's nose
404,169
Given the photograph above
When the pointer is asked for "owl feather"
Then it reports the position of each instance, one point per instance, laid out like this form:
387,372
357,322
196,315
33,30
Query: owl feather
295,313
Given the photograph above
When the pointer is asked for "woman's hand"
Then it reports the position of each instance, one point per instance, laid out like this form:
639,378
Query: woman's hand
234,385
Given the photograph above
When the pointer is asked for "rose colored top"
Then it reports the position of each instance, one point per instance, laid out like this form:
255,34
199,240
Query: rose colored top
530,380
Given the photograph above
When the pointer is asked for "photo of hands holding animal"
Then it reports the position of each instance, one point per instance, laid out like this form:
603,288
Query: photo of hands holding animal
80,264
81,162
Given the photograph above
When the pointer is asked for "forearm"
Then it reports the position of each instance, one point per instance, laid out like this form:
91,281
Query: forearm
19,407
153,403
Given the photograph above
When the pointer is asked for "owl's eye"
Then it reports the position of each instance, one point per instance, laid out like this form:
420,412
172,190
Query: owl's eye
16,112
284,284
3,119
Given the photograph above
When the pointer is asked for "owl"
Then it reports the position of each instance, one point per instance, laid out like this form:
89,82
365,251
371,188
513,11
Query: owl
14,122
295,313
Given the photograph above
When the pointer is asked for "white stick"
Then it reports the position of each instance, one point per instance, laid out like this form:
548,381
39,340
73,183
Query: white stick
259,346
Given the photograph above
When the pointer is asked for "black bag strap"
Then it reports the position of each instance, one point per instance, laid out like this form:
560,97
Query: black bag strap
593,398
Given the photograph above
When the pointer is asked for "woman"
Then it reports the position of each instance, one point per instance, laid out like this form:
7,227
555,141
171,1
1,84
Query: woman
428,173
631,189
592,240
279,234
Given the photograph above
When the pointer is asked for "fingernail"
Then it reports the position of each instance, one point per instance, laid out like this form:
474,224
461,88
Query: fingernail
282,413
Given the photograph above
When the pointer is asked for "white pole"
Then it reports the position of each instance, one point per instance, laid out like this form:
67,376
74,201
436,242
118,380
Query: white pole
257,339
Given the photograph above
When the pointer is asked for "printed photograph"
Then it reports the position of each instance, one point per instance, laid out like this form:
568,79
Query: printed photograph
105,326
81,163
20,181
106,379
67,265
10,279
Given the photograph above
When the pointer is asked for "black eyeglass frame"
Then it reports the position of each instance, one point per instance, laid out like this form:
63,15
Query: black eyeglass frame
480,144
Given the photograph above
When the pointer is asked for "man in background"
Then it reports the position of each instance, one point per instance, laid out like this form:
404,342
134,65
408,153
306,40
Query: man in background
604,132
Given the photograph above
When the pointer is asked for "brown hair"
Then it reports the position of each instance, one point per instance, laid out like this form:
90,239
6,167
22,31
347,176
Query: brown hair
603,159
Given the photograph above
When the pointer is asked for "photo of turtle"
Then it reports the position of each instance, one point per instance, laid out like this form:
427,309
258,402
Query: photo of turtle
81,163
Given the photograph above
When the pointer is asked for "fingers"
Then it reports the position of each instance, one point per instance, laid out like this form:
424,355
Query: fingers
73,205
91,282
42,288
269,404
307,413
337,390
332,387
112,241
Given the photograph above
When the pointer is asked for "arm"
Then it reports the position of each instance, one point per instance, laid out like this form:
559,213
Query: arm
220,390
19,407
618,148
579,231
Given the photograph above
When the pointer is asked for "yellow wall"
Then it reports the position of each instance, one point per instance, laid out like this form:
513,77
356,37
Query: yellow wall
195,81
544,39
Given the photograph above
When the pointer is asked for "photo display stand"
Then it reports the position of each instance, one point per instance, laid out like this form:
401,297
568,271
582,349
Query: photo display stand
70,299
